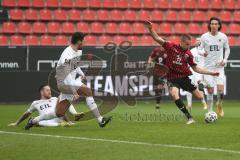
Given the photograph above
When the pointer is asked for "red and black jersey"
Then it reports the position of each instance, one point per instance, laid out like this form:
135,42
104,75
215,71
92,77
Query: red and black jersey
178,61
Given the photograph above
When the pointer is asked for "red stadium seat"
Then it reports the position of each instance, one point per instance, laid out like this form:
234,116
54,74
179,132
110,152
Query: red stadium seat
68,28
165,28
130,15
138,28
194,28
9,27
60,15
38,3
16,40
216,4
224,28
95,4
198,16
146,41
74,15
229,4
149,4
232,40
83,27
31,15
16,14
156,27
123,4
236,16
108,4
116,15
157,15
136,4
176,4
45,15
81,4
171,16
9,3
204,28
225,16
134,40
31,40
189,4
88,15
180,28
144,15
234,28
111,28
90,40
3,40
53,27
24,3
163,4
124,28
203,4
66,4
24,28
46,40
61,40
119,39
103,40
39,28
97,28
174,39
185,16
103,15
210,14
52,3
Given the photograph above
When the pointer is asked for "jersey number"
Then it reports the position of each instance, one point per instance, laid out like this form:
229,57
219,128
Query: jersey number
214,48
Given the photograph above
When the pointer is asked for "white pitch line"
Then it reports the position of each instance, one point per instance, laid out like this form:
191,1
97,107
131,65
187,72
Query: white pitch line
124,142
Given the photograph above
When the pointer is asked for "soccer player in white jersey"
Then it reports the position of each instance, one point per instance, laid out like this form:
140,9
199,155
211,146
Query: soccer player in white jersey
197,78
69,78
214,43
44,106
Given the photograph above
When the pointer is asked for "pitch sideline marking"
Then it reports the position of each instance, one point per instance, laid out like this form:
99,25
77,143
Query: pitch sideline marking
124,142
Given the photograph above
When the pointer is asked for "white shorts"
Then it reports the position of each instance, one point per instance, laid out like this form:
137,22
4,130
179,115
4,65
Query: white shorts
212,81
50,123
69,88
196,77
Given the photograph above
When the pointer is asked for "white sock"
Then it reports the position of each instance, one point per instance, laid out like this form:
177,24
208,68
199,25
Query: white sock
72,110
203,100
189,99
210,102
93,107
48,123
46,116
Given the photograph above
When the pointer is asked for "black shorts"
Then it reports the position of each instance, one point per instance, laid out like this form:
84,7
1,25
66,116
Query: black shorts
158,80
185,83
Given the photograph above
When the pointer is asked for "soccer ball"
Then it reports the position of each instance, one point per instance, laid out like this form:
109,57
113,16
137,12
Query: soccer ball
210,117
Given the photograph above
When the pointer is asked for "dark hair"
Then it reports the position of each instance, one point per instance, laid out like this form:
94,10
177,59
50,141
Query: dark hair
219,22
41,87
186,37
77,36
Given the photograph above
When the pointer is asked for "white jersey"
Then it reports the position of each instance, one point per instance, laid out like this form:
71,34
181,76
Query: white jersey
213,46
43,106
198,58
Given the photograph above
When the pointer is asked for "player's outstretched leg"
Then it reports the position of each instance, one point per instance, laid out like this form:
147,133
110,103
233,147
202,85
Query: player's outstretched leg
174,91
220,96
158,97
189,101
85,91
201,88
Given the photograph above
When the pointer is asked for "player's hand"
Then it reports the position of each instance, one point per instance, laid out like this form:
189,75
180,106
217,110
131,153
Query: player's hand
83,77
205,54
215,73
12,124
148,24
222,63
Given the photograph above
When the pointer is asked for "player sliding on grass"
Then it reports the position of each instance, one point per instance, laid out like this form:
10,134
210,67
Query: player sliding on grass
178,60
215,43
44,106
69,78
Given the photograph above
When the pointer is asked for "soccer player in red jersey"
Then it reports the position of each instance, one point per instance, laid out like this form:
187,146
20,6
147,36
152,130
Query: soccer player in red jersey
157,57
178,60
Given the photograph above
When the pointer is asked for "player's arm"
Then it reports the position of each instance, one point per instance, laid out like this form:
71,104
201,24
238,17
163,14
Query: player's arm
154,34
22,118
226,53
204,71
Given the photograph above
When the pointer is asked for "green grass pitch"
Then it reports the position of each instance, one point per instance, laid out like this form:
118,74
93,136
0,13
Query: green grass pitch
134,134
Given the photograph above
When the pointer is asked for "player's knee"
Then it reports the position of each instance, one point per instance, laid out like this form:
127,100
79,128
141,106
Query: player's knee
58,114
174,95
